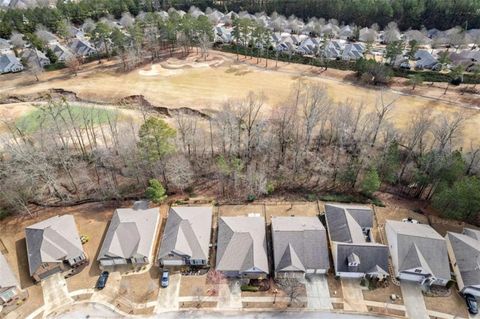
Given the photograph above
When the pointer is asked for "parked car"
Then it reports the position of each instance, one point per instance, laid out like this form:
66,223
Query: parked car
102,280
471,304
165,279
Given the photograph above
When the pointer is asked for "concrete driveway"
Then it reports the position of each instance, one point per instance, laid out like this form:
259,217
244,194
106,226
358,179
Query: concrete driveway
168,297
318,295
111,290
55,292
353,295
413,300
230,295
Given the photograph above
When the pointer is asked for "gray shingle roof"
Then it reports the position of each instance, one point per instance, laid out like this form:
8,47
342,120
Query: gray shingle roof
52,241
299,243
7,277
373,258
131,234
187,232
345,222
7,60
242,244
419,246
467,254
473,233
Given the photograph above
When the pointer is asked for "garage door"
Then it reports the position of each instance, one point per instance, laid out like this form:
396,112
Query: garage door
173,262
49,273
412,277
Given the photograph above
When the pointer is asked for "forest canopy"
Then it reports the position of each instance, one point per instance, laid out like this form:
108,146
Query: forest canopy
440,14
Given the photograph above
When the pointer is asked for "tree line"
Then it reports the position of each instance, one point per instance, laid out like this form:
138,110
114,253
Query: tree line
308,144
407,14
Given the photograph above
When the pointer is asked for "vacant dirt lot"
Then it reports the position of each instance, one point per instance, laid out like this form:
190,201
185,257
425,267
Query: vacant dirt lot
207,87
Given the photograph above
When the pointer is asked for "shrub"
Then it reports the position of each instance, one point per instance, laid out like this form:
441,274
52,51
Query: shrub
311,197
251,198
270,188
155,191
249,288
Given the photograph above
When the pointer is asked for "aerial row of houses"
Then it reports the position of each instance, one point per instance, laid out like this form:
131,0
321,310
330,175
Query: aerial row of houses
78,46
300,246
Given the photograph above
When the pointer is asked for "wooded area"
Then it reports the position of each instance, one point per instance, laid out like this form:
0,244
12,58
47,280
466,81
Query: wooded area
307,145
438,14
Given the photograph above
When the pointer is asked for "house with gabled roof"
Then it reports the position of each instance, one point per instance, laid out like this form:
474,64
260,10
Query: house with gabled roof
425,60
62,53
419,253
82,47
242,247
353,51
186,238
5,46
130,237
54,246
354,250
464,252
346,32
37,56
9,63
299,246
10,290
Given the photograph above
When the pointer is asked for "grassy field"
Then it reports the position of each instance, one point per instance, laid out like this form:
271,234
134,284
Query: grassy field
80,115
206,88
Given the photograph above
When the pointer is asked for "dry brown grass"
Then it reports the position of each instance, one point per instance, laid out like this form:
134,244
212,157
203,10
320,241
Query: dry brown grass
207,88
453,304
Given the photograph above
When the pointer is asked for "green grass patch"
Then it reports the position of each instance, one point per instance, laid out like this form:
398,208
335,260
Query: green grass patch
78,115
249,288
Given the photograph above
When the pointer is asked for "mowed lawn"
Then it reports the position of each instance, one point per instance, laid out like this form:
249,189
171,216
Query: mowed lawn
207,88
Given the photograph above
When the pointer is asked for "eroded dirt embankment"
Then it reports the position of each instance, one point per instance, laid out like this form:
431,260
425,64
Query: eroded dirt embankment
127,102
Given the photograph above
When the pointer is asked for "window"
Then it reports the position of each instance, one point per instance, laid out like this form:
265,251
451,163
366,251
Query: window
418,271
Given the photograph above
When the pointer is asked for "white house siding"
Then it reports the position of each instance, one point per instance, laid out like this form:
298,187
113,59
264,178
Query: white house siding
172,262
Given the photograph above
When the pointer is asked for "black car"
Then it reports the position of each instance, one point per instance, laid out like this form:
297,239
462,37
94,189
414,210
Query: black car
102,280
471,304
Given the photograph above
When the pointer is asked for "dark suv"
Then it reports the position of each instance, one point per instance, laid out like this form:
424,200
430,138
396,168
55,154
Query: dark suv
471,304
102,280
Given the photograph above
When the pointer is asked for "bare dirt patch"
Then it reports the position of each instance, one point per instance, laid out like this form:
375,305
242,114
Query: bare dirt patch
291,209
383,294
453,304
141,288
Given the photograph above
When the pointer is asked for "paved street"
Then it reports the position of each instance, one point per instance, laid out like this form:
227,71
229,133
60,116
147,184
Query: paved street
353,295
413,300
101,312
318,295
55,292
168,297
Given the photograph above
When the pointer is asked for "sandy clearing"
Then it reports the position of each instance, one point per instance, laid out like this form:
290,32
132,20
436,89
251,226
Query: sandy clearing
206,88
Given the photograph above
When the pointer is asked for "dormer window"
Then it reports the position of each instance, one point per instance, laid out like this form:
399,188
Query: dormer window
353,260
